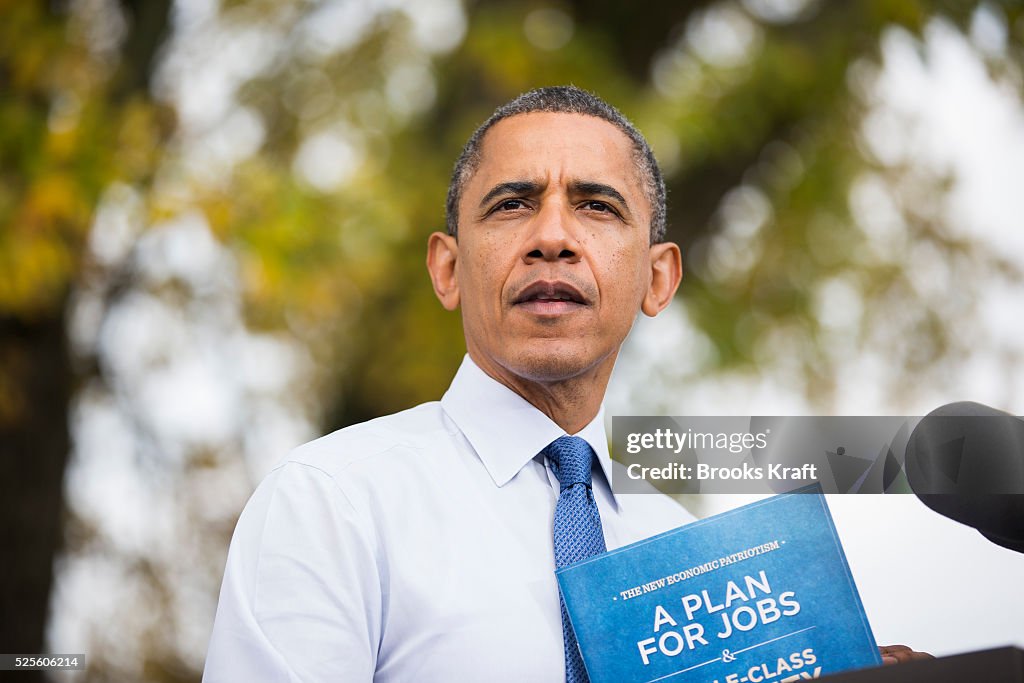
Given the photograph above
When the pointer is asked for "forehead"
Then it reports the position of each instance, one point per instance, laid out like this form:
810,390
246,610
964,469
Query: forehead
556,147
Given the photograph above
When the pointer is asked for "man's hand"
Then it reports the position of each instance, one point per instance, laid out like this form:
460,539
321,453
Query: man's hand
898,654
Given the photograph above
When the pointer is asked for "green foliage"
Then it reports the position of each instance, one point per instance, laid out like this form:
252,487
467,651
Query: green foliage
63,139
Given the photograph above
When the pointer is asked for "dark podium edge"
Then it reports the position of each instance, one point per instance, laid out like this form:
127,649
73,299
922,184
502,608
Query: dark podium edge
999,665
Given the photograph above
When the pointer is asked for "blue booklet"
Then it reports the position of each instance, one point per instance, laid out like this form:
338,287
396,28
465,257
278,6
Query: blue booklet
759,594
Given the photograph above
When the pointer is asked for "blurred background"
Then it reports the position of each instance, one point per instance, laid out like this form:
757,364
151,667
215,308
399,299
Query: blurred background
212,227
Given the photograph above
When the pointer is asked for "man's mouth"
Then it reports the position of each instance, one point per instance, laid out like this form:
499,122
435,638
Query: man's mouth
550,297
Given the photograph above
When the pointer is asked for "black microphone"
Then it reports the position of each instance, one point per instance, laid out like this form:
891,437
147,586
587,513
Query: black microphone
966,462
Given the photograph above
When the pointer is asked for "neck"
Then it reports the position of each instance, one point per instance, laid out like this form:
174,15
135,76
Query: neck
570,402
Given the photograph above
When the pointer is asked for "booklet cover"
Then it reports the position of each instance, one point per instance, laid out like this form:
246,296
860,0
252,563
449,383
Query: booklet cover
759,594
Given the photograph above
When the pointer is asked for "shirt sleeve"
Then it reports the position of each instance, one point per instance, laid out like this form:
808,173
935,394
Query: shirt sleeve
301,599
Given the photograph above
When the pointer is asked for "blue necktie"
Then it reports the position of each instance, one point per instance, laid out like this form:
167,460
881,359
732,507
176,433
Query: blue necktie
577,528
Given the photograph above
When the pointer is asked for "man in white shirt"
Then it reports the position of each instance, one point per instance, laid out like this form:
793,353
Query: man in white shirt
418,546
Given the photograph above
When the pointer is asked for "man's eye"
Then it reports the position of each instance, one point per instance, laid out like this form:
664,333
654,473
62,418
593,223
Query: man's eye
597,206
511,205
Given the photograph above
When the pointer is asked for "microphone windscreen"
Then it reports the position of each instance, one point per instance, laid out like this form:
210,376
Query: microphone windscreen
966,462
966,448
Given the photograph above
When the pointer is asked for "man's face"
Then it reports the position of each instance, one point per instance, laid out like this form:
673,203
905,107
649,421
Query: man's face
553,257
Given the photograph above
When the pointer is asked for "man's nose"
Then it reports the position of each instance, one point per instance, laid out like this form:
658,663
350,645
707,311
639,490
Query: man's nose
552,235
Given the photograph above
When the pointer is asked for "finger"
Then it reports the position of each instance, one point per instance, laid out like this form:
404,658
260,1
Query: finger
898,654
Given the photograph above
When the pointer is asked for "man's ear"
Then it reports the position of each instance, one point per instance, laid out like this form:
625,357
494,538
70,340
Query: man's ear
442,256
666,273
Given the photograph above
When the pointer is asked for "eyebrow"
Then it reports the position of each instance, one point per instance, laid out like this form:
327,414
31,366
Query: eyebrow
578,187
594,189
517,187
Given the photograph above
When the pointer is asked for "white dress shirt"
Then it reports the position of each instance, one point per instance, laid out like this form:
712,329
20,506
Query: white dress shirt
414,547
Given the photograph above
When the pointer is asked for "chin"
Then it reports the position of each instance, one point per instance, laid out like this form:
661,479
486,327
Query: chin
551,365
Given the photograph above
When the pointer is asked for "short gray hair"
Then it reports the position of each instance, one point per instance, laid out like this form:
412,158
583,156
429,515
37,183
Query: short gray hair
563,99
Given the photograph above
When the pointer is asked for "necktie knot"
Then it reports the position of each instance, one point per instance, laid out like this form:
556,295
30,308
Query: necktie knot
571,459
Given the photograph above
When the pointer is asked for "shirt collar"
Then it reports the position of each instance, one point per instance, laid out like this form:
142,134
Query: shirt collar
505,429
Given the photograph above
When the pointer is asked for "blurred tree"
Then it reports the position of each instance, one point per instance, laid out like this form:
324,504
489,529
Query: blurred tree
320,160
75,115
